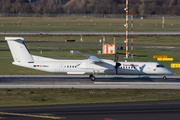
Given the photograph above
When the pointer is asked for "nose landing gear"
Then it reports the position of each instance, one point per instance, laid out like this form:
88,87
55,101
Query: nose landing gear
92,77
164,78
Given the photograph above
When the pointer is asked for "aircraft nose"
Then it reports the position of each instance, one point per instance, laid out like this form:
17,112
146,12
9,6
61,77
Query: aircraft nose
169,72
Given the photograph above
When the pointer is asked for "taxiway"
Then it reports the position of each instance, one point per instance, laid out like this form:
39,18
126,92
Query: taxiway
84,82
157,110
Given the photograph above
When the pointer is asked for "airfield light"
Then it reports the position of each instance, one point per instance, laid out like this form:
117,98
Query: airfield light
81,38
163,21
103,39
100,41
132,35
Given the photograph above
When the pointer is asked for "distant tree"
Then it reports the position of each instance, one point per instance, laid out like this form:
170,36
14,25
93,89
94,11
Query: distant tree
26,8
164,9
134,10
16,7
5,6
76,6
142,8
90,6
178,2
172,3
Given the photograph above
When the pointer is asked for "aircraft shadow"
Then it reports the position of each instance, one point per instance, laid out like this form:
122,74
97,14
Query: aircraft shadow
85,79
137,79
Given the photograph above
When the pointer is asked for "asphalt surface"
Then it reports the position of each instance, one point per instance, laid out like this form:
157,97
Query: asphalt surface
88,33
157,110
84,82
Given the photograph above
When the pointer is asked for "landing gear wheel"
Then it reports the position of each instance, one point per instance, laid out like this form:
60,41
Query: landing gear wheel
92,77
164,78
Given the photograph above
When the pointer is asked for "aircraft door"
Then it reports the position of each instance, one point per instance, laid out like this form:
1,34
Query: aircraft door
61,68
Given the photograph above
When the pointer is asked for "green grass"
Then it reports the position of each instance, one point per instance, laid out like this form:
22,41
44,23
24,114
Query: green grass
169,40
32,97
40,24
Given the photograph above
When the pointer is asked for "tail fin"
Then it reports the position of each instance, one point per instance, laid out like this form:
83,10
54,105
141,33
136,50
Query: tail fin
18,49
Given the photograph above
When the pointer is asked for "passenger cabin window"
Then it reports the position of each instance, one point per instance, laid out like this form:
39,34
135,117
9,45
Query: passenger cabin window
159,66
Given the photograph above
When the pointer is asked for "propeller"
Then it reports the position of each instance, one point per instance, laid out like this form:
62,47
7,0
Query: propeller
117,64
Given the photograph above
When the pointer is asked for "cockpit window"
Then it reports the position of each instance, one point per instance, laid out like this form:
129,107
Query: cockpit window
159,66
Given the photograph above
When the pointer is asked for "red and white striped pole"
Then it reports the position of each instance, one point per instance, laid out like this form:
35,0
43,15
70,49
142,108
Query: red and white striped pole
132,35
126,28
162,21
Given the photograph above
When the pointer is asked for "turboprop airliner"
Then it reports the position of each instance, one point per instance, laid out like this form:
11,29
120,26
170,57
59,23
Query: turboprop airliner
92,66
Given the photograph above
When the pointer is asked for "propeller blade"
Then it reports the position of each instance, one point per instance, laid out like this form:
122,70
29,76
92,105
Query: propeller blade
117,64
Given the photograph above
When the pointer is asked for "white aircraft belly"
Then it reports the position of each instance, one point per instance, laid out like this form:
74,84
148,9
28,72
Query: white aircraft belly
75,73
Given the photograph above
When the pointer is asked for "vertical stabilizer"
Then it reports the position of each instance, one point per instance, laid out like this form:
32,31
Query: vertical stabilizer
18,50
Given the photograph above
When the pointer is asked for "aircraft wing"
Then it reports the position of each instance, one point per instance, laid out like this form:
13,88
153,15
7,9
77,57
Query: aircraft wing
94,59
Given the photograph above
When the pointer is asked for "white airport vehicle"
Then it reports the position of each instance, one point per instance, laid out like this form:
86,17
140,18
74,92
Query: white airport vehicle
91,66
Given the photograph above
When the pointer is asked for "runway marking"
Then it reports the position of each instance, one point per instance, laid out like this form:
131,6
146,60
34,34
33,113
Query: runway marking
30,115
170,47
137,83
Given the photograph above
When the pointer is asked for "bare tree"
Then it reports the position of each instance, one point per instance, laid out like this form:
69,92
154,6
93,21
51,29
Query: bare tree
142,8
90,6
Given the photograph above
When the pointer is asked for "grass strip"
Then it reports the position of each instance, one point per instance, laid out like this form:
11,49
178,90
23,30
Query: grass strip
40,24
168,40
51,96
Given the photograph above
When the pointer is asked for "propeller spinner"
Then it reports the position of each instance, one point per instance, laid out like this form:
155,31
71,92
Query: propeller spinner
117,64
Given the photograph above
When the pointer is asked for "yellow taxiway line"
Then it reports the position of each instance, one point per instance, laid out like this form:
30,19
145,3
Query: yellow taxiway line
31,115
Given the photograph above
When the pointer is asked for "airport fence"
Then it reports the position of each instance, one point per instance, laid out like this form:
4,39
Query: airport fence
84,15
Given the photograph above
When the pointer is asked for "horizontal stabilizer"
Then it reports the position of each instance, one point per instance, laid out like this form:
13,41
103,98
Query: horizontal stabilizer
14,38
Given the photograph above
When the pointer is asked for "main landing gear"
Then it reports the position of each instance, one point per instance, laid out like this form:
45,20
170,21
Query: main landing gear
92,77
164,78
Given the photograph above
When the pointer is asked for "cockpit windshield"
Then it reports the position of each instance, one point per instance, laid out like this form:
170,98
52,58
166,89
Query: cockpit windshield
159,66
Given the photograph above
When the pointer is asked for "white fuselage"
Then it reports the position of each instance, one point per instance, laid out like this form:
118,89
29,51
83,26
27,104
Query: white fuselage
87,67
93,65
